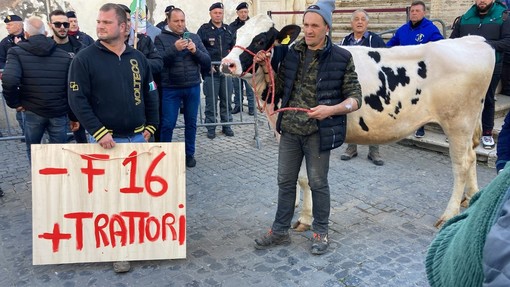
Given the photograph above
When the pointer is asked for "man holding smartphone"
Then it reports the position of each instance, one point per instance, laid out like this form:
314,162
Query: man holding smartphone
184,56
185,36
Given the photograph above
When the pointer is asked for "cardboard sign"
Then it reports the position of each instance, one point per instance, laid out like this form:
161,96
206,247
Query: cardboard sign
92,204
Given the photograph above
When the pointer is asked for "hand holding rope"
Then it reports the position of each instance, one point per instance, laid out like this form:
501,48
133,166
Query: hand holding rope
263,56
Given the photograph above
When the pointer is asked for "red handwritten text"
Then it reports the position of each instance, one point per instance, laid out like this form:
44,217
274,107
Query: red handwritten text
127,227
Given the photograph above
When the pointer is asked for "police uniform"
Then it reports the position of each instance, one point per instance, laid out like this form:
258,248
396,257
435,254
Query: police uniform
8,41
218,41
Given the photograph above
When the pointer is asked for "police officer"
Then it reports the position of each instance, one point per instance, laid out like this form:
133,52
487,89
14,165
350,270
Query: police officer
242,17
74,30
14,26
218,40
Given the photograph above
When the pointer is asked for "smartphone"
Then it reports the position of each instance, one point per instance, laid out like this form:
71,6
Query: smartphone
185,36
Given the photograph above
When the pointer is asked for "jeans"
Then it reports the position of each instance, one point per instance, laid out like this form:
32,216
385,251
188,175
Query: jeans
219,86
20,117
291,151
238,93
171,102
136,138
35,126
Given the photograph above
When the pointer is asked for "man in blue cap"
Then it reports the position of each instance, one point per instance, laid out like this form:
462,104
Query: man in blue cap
318,76
242,17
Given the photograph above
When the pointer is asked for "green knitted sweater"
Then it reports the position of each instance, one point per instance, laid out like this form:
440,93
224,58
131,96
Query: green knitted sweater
455,256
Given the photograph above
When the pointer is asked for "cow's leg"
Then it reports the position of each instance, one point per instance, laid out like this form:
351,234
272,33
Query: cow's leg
463,159
305,218
472,182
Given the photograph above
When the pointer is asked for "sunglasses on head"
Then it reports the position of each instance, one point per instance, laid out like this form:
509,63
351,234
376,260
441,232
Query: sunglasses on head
59,24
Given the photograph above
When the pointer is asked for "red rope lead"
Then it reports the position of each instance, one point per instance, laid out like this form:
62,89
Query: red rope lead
271,90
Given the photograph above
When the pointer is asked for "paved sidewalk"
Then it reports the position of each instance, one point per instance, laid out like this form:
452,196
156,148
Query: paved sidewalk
381,221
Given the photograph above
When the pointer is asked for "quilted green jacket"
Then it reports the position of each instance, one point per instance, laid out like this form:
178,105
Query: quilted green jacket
455,255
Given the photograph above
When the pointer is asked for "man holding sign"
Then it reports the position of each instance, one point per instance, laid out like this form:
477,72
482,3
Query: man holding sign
111,89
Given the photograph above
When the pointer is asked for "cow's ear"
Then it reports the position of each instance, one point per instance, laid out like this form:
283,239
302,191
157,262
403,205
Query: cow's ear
288,34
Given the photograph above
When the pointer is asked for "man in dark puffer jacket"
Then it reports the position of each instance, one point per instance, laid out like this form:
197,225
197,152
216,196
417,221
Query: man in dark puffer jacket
180,79
35,81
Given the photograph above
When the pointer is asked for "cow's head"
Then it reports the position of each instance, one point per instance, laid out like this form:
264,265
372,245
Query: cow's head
257,34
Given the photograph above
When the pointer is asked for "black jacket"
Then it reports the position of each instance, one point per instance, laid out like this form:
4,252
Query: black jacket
333,61
238,23
373,40
108,93
35,77
75,44
147,47
217,41
7,43
234,26
83,38
181,69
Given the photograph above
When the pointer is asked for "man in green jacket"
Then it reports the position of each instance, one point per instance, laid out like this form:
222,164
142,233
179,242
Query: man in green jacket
487,18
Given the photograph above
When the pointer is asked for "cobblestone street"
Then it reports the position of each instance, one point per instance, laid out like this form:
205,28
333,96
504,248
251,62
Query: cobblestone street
381,221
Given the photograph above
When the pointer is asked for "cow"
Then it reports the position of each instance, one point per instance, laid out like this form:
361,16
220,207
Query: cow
403,88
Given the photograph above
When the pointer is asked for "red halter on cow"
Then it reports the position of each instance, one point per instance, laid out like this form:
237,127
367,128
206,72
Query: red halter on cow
403,88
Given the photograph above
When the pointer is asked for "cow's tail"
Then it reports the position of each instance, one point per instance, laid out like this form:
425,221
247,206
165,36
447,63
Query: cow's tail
477,134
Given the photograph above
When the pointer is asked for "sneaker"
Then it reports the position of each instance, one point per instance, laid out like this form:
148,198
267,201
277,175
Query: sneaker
236,110
350,152
1,192
375,157
488,142
211,134
190,161
121,266
271,239
228,132
320,243
251,112
420,133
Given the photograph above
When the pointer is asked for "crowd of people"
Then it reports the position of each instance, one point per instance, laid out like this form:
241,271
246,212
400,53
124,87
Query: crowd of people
130,87
178,60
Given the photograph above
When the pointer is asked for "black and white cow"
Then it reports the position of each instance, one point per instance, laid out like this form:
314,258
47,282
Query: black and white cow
404,88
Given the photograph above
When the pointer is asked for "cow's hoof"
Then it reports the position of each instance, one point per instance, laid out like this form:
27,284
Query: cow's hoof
300,227
439,223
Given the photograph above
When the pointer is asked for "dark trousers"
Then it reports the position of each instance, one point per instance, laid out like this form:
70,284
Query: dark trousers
217,88
490,103
292,150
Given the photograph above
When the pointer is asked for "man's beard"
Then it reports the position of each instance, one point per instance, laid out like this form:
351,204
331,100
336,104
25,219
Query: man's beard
58,35
484,10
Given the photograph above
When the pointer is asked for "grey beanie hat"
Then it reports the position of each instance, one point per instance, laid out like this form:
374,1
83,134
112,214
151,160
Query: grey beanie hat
325,9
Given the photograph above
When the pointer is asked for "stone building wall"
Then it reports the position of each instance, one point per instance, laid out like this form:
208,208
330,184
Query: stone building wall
196,14
448,10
